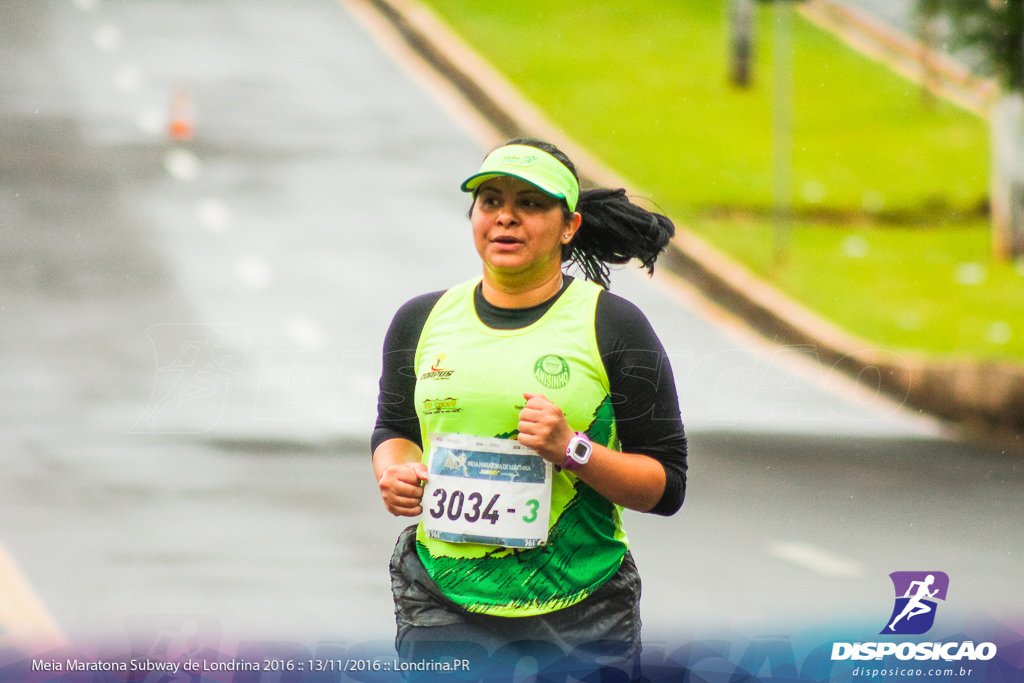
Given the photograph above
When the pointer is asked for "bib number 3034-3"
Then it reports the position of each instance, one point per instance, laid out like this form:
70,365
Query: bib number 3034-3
483,490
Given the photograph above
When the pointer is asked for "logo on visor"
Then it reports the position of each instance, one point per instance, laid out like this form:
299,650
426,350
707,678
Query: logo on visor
916,595
516,160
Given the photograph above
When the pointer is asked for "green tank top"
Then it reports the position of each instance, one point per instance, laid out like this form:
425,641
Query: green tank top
470,379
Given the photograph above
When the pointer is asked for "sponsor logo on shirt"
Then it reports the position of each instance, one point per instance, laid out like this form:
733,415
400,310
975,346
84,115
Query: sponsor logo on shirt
552,371
436,370
433,406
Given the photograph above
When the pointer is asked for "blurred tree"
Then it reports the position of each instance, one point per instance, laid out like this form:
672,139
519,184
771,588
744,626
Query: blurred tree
994,30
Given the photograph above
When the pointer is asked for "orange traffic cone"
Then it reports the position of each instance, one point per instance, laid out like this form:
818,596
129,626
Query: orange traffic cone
180,126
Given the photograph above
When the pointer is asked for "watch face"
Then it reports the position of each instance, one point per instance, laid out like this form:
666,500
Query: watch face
581,450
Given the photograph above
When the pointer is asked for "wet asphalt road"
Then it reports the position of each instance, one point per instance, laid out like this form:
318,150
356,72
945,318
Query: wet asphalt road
189,339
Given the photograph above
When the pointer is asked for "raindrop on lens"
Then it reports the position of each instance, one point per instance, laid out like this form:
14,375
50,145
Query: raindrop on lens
107,37
305,333
855,246
128,78
812,192
999,332
254,272
151,121
182,164
970,273
909,320
213,215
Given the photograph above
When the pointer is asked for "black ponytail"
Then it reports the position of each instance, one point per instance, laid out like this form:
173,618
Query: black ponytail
613,231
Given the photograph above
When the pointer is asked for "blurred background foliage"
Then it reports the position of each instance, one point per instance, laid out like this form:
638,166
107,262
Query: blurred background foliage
890,185
991,30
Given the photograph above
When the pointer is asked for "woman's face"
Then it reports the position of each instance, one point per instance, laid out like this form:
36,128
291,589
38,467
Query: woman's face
519,229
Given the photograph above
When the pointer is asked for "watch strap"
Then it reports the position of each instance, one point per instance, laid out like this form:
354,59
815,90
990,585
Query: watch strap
571,463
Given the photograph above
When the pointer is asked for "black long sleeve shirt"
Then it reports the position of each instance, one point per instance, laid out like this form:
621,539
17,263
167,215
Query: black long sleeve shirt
643,390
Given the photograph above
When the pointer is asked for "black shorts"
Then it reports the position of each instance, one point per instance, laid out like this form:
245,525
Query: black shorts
600,635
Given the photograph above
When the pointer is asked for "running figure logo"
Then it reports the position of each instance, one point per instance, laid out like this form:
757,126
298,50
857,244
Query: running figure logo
195,364
916,593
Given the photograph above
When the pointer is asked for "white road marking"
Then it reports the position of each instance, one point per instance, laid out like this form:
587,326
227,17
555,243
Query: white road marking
254,272
23,618
128,77
107,37
213,214
815,559
182,164
305,333
151,120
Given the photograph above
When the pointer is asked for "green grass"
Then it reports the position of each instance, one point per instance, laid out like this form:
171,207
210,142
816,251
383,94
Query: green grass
643,85
899,287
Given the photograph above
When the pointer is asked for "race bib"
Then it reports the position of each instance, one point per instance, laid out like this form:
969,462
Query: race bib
490,491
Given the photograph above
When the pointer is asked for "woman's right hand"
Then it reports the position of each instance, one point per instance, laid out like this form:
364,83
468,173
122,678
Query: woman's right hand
399,470
401,488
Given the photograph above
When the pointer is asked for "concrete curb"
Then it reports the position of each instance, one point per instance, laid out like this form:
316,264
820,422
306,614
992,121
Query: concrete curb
980,395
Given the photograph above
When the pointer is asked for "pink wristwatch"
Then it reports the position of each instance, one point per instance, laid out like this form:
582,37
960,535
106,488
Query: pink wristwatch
577,453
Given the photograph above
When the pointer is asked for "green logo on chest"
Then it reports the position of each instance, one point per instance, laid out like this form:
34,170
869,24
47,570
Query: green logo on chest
552,371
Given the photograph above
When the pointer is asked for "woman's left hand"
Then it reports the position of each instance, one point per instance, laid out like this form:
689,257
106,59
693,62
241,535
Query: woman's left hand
631,480
543,427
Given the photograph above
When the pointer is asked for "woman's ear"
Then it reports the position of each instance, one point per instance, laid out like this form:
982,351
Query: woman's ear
571,226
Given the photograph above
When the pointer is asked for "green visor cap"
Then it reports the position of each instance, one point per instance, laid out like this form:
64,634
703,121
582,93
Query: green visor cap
533,165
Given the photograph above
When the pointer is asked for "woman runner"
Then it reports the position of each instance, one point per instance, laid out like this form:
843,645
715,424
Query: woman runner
519,555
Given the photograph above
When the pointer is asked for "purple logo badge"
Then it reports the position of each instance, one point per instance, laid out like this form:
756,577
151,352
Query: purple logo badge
916,593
